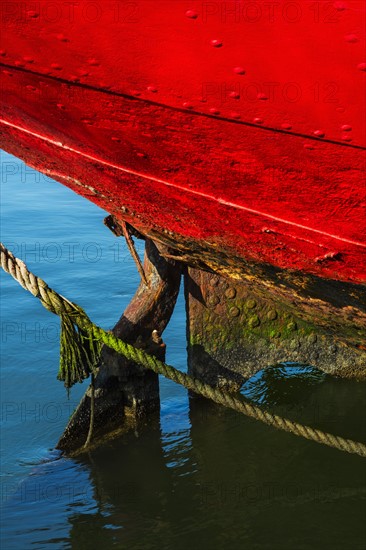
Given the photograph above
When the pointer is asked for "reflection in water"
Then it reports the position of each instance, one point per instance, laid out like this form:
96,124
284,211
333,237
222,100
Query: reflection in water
205,477
175,438
286,383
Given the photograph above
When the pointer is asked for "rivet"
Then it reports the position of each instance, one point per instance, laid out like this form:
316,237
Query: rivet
234,311
216,43
340,6
62,37
351,38
239,70
230,293
258,120
319,133
262,96
234,95
191,14
286,126
361,67
152,89
272,315
346,128
56,66
235,115
212,301
214,111
251,304
254,321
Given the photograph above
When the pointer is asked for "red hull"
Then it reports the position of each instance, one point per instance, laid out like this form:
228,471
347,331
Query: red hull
147,113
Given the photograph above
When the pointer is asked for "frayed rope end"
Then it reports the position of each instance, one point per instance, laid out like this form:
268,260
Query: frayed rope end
79,352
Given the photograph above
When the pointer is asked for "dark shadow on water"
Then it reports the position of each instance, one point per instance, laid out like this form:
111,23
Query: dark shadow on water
311,396
206,477
286,383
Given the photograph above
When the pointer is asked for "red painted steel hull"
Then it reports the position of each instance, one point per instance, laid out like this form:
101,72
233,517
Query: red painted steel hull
239,133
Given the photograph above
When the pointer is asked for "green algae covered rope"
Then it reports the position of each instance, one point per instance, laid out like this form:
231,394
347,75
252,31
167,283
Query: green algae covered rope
80,358
79,354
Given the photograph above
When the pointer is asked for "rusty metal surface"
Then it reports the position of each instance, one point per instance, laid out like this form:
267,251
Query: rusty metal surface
234,331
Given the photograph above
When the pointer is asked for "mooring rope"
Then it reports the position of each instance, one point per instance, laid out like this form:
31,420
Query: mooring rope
91,335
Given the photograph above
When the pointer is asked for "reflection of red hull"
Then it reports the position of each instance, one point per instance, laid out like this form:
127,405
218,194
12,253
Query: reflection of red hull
147,112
